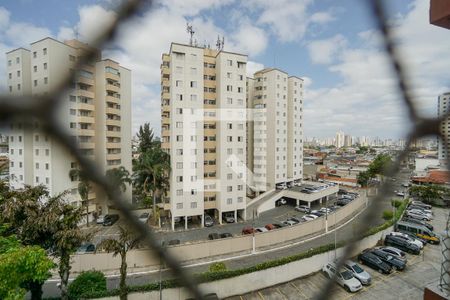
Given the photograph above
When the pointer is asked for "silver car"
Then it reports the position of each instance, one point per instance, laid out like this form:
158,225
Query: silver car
397,253
358,272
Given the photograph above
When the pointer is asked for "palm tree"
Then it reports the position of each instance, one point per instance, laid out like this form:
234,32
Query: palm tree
84,187
119,177
127,240
146,139
151,173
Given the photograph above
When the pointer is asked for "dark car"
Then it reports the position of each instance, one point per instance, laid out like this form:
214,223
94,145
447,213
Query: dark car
110,220
294,219
396,263
213,236
369,259
317,213
86,248
343,201
171,243
401,244
278,225
420,222
248,230
212,296
225,235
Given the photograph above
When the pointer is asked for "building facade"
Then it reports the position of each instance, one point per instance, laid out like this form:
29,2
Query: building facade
203,128
96,111
277,102
339,141
443,108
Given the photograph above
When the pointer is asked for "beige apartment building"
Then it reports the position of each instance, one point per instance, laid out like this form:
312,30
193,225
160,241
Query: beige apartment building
96,111
443,108
277,121
203,118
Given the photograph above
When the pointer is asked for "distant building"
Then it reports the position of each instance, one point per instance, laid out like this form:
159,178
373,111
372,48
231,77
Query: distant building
339,141
443,108
348,140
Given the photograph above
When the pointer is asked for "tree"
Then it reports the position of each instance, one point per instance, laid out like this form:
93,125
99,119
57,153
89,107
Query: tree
84,187
151,172
429,193
87,281
126,241
363,178
145,136
22,268
119,177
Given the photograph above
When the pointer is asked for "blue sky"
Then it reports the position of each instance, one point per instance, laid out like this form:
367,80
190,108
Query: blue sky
332,44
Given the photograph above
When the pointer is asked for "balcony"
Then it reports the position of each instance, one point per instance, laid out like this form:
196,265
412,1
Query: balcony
440,13
86,106
113,145
113,156
86,145
110,133
85,119
85,93
165,120
112,88
112,76
85,80
114,111
113,122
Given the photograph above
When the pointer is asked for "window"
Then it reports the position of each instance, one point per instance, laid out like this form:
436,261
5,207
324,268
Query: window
45,66
229,62
229,188
179,205
179,70
179,97
18,86
240,187
179,165
229,201
35,82
179,124
179,151
73,125
47,180
180,192
73,112
36,138
10,88
193,192
47,152
36,152
240,199
179,83
229,75
47,166
179,111
35,68
193,84
230,125
20,138
229,88
229,138
179,178
9,63
230,176
179,138
241,77
44,51
18,73
240,90
193,56
193,97
37,166
193,71
17,60
229,100
37,179
229,151
46,80
193,204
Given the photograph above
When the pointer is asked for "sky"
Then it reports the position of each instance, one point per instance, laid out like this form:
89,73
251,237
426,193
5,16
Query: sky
333,45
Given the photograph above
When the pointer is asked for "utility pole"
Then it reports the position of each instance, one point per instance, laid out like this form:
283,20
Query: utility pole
160,274
335,237
253,238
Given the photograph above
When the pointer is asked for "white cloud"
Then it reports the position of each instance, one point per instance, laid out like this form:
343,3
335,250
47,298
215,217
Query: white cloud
253,67
322,17
4,18
250,39
326,51
66,33
94,19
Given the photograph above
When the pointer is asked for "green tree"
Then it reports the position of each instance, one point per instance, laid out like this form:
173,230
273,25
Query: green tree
119,177
126,241
146,139
380,164
429,193
363,178
22,268
84,187
87,281
151,174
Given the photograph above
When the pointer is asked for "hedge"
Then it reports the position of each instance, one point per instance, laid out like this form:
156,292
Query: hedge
213,276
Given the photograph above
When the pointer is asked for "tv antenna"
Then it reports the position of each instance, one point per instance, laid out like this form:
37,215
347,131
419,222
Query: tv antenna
190,31
220,43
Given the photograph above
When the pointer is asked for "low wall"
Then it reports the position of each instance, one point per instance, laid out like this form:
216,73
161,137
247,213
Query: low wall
139,259
262,279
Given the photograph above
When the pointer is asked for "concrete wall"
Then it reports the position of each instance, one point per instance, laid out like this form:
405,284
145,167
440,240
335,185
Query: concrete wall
262,279
139,259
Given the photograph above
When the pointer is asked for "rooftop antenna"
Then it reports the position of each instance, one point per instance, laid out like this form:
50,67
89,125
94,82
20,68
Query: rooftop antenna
218,43
223,42
191,32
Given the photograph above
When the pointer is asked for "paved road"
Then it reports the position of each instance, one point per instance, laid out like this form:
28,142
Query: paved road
422,270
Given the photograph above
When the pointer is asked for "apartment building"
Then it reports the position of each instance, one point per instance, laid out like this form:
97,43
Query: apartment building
443,108
277,101
96,111
203,128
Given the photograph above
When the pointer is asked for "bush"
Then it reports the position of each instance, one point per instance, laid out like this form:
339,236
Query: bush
87,282
387,215
217,267
396,203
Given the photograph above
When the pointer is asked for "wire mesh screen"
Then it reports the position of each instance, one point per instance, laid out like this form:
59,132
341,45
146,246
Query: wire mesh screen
43,109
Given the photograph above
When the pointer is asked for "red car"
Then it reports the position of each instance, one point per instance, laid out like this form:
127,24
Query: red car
248,230
270,226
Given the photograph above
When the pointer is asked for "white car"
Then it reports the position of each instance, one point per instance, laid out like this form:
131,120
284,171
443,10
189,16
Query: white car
408,237
326,210
302,208
418,211
100,219
261,229
400,194
344,278
417,216
309,218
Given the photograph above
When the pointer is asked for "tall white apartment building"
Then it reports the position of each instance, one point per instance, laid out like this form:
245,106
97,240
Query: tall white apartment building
96,111
203,129
340,139
277,100
443,108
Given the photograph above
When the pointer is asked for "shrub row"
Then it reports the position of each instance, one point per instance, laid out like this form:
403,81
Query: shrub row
219,275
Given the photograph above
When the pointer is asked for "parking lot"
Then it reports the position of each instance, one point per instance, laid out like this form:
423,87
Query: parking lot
422,270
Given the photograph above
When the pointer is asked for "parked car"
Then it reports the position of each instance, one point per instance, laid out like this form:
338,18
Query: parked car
110,220
325,210
270,227
213,236
248,230
397,264
289,223
317,213
408,237
419,231
417,215
229,218
358,272
419,222
171,242
208,221
261,229
369,259
399,254
420,203
294,219
225,235
280,202
100,219
342,201
86,248
278,225
427,211
402,244
302,208
309,217
420,211
400,194
144,217
344,278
